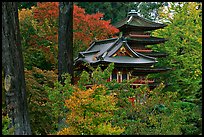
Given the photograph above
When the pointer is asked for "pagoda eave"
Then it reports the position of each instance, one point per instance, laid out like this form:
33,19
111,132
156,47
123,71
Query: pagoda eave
136,71
128,27
122,65
155,54
146,41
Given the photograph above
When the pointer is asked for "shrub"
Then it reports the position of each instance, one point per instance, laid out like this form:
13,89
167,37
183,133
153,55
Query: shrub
90,112
5,126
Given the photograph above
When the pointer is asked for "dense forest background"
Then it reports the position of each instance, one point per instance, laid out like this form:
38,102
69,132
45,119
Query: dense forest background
106,108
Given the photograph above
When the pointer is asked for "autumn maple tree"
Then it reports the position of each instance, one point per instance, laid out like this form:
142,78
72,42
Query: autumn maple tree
40,31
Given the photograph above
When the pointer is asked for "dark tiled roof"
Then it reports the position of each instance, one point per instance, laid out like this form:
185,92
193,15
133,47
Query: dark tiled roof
138,22
103,51
150,70
155,54
150,40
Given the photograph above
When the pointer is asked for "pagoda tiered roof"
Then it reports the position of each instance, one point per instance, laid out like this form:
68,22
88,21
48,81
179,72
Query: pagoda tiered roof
114,50
150,40
137,71
154,54
134,21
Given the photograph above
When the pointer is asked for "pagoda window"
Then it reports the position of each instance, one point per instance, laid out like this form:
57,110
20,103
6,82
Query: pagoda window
124,76
119,76
113,76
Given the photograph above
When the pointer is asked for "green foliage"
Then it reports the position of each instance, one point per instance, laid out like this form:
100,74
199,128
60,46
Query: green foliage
84,80
5,124
39,112
144,116
107,129
185,50
36,57
113,11
96,77
57,96
88,111
38,41
191,120
116,11
185,58
154,112
26,5
184,47
100,77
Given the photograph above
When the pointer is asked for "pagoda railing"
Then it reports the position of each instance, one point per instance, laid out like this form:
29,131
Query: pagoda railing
144,81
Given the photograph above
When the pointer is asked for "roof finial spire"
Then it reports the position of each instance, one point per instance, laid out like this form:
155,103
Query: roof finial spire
132,12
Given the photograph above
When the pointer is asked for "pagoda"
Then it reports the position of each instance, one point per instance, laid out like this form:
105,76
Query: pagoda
137,31
128,52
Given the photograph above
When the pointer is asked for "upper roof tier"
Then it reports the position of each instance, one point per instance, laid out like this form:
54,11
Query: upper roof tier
114,50
146,41
135,22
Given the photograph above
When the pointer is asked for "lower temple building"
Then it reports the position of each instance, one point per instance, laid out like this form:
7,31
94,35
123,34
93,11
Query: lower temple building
128,63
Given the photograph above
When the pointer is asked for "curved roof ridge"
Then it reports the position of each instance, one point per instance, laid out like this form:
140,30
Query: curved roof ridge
108,48
118,24
131,18
98,41
152,22
146,56
148,38
106,39
129,48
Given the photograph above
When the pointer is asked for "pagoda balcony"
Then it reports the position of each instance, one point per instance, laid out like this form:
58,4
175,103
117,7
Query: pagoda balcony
144,81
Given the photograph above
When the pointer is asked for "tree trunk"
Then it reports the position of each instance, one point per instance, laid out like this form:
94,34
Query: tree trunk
13,67
65,40
65,48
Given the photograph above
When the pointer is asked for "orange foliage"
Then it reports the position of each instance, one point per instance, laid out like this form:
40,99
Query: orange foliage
91,111
46,10
86,27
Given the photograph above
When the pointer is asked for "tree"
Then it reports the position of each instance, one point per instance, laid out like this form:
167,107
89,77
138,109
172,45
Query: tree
65,43
113,11
26,5
13,67
184,48
39,27
91,113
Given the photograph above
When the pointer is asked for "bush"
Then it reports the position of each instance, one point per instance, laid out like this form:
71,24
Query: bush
90,112
5,126
39,110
